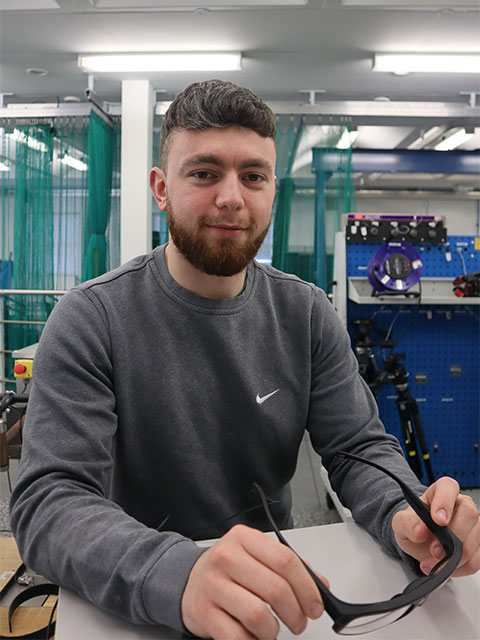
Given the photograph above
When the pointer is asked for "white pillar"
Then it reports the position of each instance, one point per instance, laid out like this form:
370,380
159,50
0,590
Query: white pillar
136,197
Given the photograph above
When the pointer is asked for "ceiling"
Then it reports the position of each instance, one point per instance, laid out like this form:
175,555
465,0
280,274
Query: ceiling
288,51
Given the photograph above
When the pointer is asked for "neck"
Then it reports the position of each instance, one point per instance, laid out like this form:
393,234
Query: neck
191,278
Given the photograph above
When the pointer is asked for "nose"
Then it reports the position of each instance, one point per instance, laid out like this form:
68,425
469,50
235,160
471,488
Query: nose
229,193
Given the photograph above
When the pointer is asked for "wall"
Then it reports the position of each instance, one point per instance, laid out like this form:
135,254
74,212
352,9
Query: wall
461,214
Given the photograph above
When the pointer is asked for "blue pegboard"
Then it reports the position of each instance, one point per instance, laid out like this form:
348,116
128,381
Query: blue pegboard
443,344
434,257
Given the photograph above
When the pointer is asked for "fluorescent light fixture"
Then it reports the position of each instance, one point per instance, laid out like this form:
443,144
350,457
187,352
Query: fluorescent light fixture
4,167
426,138
347,139
144,62
194,4
302,160
27,5
30,141
403,63
74,162
410,5
454,140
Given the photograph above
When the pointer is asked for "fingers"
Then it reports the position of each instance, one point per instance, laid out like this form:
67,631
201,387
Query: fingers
249,609
264,577
237,583
470,562
443,499
411,534
448,508
290,586
223,625
465,524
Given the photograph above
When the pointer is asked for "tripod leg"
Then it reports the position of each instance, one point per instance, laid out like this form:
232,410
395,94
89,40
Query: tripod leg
409,437
417,425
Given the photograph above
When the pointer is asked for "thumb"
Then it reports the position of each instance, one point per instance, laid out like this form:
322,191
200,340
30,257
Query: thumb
412,535
442,496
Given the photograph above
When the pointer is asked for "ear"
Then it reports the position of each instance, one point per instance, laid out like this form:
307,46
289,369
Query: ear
158,185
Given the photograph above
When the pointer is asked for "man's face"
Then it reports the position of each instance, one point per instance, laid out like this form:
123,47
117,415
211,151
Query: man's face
218,192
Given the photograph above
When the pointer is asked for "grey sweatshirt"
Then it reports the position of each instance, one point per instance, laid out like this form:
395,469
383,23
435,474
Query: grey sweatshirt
152,412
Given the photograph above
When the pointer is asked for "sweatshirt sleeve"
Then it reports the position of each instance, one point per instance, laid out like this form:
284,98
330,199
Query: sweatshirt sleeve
344,416
65,525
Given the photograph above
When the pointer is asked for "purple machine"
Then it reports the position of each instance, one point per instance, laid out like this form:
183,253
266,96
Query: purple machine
395,268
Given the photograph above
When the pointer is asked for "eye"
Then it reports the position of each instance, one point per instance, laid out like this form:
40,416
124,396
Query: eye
202,174
255,178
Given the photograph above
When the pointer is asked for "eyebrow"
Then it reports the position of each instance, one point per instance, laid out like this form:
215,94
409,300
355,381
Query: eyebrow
201,158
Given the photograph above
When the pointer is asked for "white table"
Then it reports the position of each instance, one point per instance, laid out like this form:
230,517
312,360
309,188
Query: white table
358,570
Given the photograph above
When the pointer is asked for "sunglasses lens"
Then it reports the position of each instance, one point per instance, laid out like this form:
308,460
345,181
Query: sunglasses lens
366,624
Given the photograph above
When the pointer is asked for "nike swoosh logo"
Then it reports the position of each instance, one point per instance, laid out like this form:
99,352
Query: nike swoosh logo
269,395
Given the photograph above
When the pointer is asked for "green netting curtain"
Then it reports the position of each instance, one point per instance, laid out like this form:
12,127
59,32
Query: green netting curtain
294,210
281,226
32,230
49,189
339,198
287,142
101,146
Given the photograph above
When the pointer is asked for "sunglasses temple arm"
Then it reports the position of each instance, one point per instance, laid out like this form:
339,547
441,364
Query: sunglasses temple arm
327,596
420,508
266,508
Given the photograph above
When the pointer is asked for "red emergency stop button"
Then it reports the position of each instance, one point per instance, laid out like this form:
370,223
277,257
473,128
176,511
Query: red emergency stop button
19,369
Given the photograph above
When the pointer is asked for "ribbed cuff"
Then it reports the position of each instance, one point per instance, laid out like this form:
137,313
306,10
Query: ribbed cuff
164,584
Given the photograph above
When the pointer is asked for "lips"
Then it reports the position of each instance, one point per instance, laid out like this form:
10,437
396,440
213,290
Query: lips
226,230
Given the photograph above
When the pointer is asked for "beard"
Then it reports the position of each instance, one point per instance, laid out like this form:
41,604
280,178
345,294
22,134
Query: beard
214,256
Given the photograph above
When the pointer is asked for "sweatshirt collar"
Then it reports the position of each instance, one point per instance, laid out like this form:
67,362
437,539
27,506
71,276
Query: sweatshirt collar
194,301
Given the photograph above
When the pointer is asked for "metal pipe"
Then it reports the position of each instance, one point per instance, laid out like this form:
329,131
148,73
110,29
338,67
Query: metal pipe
361,110
23,321
32,292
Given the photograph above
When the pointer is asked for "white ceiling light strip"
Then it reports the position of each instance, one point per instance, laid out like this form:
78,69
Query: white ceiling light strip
155,62
193,4
403,63
75,163
30,141
452,5
454,140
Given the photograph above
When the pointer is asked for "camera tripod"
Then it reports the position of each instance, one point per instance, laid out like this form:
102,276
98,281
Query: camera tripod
395,373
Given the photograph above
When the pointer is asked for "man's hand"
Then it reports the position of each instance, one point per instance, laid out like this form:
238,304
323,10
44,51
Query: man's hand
449,508
232,583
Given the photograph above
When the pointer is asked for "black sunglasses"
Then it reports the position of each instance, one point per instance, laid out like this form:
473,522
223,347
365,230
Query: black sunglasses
353,619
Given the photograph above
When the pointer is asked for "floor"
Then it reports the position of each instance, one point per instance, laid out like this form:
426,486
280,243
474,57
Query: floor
310,505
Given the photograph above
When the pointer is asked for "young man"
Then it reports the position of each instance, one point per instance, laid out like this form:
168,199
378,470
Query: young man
164,389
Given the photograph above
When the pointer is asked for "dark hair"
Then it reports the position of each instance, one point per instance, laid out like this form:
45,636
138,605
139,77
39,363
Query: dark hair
215,103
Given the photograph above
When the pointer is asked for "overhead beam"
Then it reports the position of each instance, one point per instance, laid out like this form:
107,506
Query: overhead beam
398,161
374,112
356,112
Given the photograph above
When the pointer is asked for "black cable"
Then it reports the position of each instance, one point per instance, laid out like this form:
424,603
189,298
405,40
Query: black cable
51,628
389,330
196,535
413,316
472,313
